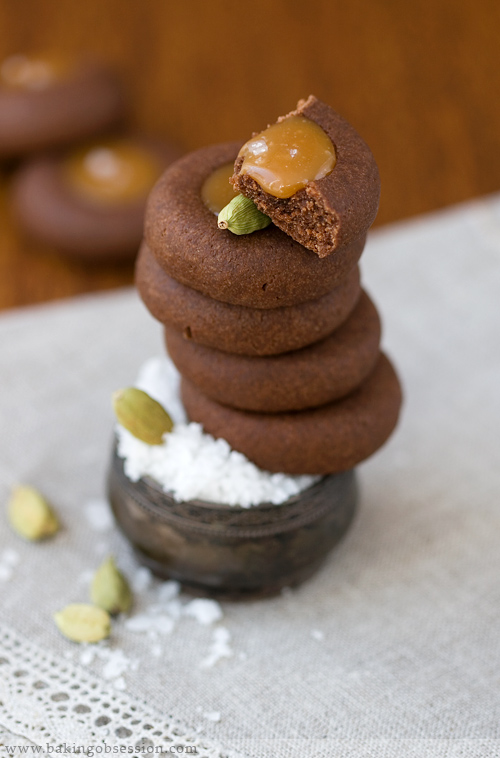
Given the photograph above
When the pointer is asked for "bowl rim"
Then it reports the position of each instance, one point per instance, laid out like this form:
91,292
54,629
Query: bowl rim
329,495
154,485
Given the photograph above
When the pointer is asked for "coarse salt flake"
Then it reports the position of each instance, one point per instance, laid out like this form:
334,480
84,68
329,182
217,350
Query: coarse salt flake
220,648
141,579
168,591
5,573
141,623
98,514
10,557
116,664
212,716
317,634
87,655
205,611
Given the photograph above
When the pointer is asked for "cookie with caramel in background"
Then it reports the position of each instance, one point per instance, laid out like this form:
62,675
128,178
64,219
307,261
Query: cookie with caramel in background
49,100
89,202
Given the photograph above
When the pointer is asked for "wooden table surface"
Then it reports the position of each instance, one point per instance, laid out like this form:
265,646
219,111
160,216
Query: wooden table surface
419,80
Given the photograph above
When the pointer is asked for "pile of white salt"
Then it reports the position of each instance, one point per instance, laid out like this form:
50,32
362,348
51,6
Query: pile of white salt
192,465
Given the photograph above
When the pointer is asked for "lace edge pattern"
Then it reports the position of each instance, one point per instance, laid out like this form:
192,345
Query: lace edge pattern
56,704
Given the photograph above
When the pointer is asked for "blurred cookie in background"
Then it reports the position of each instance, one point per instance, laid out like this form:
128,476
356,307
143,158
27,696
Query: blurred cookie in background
49,100
88,203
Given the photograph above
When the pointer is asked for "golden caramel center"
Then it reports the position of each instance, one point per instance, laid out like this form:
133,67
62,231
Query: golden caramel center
33,72
288,155
217,191
113,172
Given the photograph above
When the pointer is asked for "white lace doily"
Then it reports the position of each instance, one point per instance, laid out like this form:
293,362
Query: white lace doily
55,703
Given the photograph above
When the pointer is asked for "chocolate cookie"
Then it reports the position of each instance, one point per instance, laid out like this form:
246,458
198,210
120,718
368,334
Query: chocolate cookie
89,203
325,440
46,103
305,378
266,269
331,212
234,328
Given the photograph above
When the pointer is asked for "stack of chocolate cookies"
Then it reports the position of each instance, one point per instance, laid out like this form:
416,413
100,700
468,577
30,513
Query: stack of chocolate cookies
277,344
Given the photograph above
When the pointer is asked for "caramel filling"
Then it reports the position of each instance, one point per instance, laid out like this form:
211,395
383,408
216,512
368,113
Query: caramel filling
33,73
217,191
114,172
288,155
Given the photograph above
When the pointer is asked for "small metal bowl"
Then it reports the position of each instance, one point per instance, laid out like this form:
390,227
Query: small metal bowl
232,552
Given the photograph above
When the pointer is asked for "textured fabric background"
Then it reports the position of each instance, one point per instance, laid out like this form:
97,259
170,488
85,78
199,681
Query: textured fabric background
408,606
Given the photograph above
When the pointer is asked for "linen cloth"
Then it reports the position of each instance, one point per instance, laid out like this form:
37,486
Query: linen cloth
392,648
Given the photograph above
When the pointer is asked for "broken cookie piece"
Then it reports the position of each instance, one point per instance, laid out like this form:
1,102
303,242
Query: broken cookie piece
313,175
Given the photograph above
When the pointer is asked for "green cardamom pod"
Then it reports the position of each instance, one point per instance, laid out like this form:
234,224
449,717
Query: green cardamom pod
109,589
30,515
142,416
241,216
81,622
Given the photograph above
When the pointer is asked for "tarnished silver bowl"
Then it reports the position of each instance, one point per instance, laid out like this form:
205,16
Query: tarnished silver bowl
226,551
